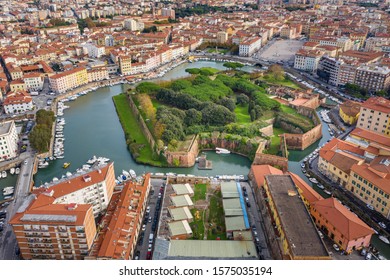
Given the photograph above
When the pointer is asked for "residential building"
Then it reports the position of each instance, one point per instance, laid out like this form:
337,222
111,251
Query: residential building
341,225
168,12
349,111
125,65
373,78
250,45
375,115
97,74
222,37
121,224
93,51
336,159
17,85
58,222
33,81
69,79
8,140
328,69
17,102
370,182
307,60
288,224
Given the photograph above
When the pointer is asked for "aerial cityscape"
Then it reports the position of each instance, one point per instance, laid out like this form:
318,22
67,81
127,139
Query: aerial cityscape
195,129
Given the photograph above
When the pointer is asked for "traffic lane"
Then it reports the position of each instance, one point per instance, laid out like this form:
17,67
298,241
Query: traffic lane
152,201
255,219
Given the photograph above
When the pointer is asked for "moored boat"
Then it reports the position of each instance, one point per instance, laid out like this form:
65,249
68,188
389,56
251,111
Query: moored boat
66,165
222,151
384,239
12,171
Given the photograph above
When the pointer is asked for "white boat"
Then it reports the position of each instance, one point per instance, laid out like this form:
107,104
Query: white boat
86,166
120,178
384,239
92,160
17,170
222,151
8,192
60,156
327,192
43,164
12,171
68,174
313,180
4,174
319,185
132,173
55,179
127,174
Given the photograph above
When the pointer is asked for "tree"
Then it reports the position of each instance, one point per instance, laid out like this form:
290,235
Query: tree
193,117
276,71
148,87
147,107
214,114
228,103
233,65
242,99
181,84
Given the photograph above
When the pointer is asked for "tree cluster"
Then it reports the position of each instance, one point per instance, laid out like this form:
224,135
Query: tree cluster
40,136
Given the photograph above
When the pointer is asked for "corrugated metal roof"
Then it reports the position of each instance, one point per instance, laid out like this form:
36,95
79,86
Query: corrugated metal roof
212,249
181,213
235,223
181,189
179,228
181,200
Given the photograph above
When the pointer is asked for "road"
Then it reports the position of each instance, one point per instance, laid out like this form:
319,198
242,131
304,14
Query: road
256,219
7,239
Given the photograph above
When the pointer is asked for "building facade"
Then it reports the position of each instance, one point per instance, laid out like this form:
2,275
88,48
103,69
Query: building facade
17,102
373,78
8,140
375,115
68,80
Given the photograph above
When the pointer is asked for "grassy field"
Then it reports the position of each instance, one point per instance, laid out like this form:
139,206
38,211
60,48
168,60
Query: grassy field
282,82
242,115
305,120
200,192
197,224
216,218
133,130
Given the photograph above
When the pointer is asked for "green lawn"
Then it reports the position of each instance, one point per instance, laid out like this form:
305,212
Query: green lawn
155,103
275,141
133,130
216,218
302,121
282,82
197,224
242,115
200,192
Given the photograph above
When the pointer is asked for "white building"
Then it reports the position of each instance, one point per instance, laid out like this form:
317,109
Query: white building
8,140
249,46
93,51
307,60
17,102
33,82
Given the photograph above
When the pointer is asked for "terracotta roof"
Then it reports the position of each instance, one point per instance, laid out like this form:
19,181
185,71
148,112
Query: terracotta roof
343,162
68,72
378,104
342,219
337,146
260,171
375,172
372,137
308,192
351,108
19,97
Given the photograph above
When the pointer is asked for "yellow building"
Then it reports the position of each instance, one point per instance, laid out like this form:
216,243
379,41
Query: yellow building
68,80
288,225
370,182
124,65
375,115
349,112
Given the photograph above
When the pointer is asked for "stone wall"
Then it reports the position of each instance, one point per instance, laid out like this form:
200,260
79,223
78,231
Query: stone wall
141,122
184,158
302,141
275,161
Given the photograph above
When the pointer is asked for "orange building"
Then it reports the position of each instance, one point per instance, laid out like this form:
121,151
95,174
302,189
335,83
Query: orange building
122,223
58,222
341,225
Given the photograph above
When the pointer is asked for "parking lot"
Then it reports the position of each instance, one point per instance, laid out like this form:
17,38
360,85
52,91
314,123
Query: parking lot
280,50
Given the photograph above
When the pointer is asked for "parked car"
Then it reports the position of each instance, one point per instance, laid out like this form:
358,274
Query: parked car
336,247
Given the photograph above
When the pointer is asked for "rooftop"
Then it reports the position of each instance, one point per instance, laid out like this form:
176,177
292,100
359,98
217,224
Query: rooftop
296,222
351,108
181,189
180,213
179,228
378,104
181,200
5,127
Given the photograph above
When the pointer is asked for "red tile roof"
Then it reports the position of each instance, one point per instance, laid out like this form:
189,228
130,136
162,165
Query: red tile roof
308,192
378,104
260,171
342,219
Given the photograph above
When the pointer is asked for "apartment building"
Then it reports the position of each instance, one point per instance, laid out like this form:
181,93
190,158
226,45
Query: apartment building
336,159
373,78
17,102
375,115
288,224
222,37
121,225
93,51
307,60
8,140
328,69
370,182
124,65
58,222
249,46
97,74
69,79
33,81
17,85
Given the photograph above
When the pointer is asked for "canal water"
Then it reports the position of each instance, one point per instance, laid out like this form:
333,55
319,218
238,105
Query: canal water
92,128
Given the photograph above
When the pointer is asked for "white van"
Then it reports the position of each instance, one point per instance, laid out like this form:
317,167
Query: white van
151,238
